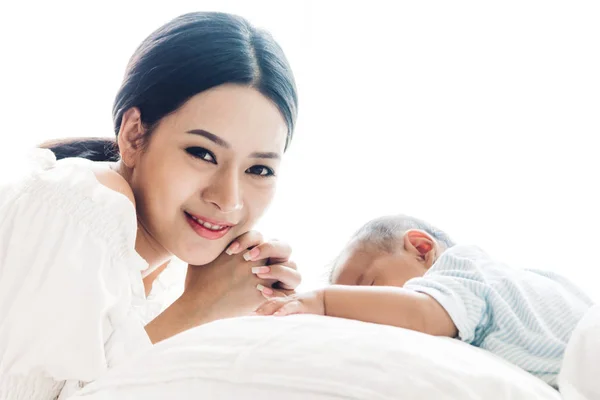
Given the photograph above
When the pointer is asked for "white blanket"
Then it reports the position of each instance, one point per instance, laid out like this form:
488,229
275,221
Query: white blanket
579,377
312,357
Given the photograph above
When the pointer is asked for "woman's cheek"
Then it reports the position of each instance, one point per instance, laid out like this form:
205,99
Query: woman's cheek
259,202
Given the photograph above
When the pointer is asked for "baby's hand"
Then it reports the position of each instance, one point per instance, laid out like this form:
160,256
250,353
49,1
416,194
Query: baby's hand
303,303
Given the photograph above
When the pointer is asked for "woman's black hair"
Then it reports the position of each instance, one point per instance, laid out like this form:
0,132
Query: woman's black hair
190,54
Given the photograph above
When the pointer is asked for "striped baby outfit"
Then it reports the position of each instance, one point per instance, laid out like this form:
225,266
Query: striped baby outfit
524,316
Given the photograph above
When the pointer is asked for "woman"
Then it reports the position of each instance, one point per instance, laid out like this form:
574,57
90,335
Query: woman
206,109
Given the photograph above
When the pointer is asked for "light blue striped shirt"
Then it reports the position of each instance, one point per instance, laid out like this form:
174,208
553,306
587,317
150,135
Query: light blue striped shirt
523,316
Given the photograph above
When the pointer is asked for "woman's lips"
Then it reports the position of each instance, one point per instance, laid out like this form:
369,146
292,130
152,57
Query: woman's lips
207,228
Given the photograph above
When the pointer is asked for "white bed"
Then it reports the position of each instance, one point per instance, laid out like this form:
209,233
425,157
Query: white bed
311,357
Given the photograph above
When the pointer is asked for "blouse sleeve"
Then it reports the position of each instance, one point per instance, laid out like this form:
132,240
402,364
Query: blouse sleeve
71,295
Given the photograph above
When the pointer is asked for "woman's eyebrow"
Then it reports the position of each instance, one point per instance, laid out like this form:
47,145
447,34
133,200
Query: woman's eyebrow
268,154
223,143
211,136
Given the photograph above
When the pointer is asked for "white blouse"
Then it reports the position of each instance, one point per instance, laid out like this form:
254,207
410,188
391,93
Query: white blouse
72,301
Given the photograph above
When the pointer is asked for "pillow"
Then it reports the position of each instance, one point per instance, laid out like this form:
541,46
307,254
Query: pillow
314,357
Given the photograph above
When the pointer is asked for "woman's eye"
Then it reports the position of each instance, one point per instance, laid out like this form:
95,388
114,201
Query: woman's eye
201,153
260,170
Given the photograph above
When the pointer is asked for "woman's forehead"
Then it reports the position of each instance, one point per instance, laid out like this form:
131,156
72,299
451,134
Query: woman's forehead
235,113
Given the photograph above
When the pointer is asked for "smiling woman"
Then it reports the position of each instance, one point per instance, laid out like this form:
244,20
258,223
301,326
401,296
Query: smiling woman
211,228
205,112
200,163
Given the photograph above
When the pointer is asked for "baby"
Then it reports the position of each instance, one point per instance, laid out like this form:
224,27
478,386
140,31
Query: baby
401,271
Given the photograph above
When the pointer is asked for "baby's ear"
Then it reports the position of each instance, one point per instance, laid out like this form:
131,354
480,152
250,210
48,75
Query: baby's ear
421,244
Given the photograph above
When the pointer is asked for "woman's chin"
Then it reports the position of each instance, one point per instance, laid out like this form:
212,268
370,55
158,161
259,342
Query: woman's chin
200,251
199,256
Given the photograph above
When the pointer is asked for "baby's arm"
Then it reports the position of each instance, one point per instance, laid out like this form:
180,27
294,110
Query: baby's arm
389,305
381,305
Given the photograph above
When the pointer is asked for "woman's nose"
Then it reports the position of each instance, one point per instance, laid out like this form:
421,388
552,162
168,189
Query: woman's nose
224,192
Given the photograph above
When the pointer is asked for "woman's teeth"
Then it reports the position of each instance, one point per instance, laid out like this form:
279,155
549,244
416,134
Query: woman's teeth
207,225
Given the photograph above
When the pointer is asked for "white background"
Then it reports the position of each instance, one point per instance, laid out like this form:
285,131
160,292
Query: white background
480,117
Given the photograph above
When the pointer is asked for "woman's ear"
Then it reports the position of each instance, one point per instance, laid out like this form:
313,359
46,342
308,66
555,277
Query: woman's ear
130,137
422,245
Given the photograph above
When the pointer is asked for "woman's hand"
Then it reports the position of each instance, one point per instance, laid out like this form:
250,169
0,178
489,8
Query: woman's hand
277,268
229,286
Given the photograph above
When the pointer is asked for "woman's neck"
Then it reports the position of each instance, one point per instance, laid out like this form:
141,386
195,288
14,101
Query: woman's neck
145,244
157,258
149,279
147,247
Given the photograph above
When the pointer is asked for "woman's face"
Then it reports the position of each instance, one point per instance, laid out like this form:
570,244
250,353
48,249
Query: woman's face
208,172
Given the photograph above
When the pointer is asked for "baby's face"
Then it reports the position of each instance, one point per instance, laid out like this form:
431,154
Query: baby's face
361,266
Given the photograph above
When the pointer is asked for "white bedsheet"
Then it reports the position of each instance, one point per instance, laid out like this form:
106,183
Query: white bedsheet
312,357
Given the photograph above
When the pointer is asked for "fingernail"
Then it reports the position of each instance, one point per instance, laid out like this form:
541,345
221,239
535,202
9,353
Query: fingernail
261,270
233,248
264,289
252,254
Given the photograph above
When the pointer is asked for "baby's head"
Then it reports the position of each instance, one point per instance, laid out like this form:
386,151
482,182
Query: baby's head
388,251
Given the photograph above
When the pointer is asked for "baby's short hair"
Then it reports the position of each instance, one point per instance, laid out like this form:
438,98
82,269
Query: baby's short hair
385,232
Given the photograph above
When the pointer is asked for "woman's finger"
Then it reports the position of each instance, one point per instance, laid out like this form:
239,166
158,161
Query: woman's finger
277,252
287,278
291,264
269,293
244,242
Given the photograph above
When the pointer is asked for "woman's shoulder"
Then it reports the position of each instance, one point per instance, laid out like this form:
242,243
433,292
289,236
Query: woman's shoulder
112,180
41,172
89,195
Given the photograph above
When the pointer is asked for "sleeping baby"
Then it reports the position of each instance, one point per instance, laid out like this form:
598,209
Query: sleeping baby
403,272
